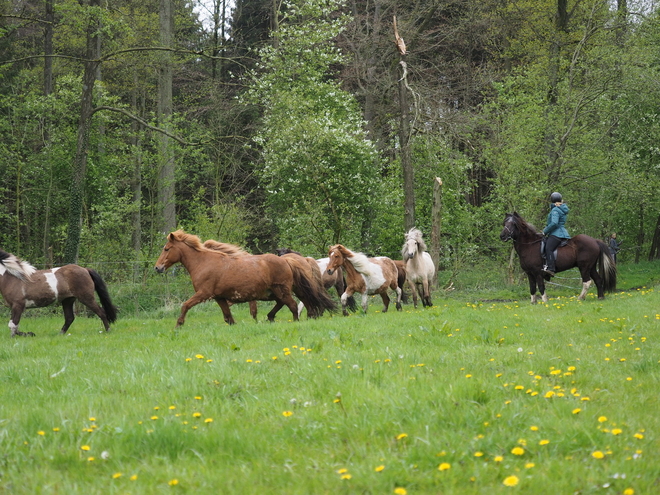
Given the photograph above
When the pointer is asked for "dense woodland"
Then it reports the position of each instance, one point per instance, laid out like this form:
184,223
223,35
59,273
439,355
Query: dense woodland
300,124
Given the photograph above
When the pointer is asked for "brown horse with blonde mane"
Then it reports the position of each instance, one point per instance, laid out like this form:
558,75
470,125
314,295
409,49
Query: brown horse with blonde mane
237,277
23,286
366,276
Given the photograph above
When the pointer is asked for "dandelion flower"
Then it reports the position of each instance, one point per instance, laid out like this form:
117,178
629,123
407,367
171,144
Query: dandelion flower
629,491
638,436
401,436
84,447
597,454
41,432
342,471
400,491
378,469
197,415
90,459
56,429
116,475
577,410
346,476
544,442
498,458
534,428
173,482
208,420
133,478
510,480
616,431
199,356
529,465
602,419
444,466
517,451
286,414
478,454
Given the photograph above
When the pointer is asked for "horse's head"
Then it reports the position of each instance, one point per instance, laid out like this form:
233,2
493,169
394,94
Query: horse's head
170,255
336,255
510,230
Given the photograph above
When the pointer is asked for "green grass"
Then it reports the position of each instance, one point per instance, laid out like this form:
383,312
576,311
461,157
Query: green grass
208,405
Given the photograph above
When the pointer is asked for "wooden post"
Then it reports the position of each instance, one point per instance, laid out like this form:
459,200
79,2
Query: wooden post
436,226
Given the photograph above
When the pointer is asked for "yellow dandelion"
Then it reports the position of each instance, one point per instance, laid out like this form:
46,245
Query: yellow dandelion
84,447
188,360
173,482
90,459
478,454
198,397
517,451
197,415
154,418
510,480
577,410
116,475
346,476
602,419
41,432
401,436
629,491
597,454
286,414
638,436
444,466
616,431
544,442
133,478
400,491
534,428
199,356
498,458
380,468
56,429
92,418
208,420
529,465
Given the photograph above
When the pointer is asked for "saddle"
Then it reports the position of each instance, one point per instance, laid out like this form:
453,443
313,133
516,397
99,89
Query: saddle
554,253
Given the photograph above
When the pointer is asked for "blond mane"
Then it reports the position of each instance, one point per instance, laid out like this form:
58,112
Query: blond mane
223,247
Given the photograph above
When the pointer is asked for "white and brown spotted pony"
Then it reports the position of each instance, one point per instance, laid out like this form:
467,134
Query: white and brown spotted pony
365,275
22,286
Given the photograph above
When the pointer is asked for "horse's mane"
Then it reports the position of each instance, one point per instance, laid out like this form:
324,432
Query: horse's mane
417,235
283,251
223,247
16,266
524,226
360,261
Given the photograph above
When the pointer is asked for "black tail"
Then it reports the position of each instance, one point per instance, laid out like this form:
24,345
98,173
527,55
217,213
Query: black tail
311,292
607,268
104,296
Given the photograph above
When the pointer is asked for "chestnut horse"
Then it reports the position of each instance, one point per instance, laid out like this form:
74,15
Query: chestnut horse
365,275
420,268
237,277
22,286
581,251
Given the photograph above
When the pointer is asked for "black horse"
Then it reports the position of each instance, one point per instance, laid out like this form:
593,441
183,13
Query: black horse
581,251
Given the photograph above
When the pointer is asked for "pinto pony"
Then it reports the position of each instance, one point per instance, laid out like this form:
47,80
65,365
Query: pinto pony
365,275
22,286
237,277
581,251
420,268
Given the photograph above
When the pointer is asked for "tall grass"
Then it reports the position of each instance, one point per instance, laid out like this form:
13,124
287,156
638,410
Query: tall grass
455,399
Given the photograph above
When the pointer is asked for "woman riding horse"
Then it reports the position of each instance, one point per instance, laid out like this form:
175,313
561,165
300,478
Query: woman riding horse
554,231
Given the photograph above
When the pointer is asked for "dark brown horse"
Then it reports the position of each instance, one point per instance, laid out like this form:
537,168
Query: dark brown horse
589,255
238,277
336,279
22,286
365,275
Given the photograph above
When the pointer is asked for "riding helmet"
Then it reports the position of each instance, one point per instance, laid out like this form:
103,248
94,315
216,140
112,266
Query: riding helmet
555,197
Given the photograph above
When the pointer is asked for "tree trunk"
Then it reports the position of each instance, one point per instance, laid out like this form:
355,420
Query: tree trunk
436,226
404,143
640,234
654,253
76,196
166,178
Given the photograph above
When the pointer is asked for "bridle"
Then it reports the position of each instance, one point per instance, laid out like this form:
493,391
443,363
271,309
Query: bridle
509,232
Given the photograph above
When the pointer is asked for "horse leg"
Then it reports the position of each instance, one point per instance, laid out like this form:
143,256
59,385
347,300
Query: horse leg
598,280
226,311
426,301
253,309
197,298
386,300
399,293
348,293
271,315
413,289
90,302
541,284
69,315
16,312
532,286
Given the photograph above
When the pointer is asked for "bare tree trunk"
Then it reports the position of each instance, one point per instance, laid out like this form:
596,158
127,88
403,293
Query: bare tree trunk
48,89
436,226
76,196
654,253
166,178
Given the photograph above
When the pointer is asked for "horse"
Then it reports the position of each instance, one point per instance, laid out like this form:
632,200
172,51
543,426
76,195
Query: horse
581,251
238,277
365,275
420,268
23,286
336,279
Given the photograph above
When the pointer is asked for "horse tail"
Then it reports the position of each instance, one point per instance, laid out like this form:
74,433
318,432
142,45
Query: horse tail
104,296
308,286
607,268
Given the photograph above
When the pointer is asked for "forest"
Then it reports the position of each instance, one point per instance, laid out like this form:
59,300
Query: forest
304,123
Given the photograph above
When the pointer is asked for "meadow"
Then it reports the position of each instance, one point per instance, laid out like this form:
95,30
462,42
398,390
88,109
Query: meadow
481,394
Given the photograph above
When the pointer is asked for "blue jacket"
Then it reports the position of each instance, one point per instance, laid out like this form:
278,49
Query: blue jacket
556,220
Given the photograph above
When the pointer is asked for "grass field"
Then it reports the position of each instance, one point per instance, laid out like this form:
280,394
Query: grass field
480,394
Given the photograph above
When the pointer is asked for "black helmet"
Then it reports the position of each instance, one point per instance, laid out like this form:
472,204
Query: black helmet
555,197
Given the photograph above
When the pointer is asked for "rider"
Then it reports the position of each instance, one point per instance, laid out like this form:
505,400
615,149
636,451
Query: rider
554,231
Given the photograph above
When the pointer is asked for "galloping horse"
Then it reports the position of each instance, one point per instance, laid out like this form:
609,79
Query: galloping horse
581,251
237,277
365,275
336,279
23,286
419,265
